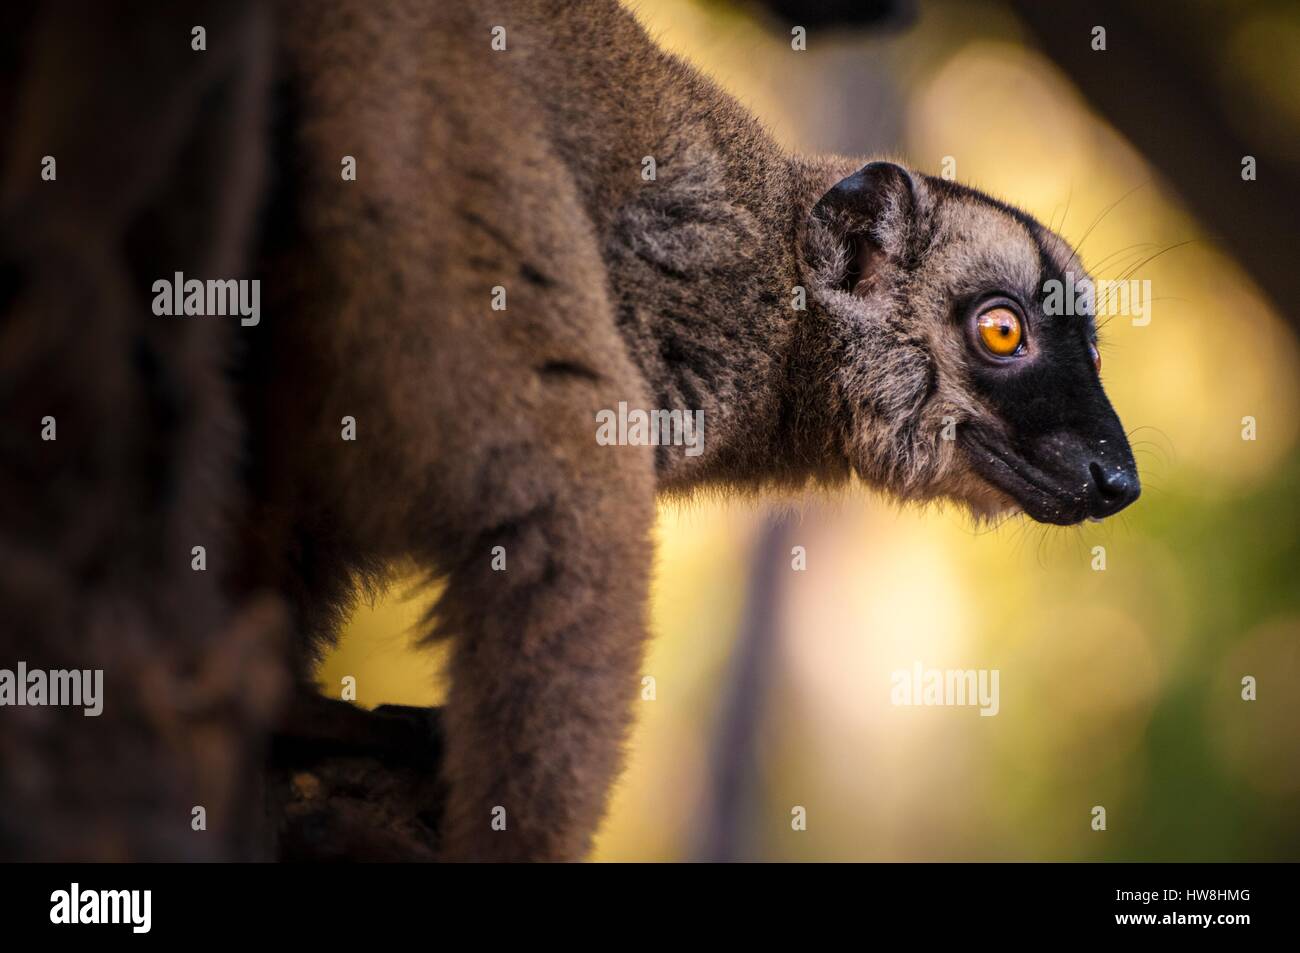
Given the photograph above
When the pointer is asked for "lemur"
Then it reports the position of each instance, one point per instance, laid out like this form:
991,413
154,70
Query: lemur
519,165
833,318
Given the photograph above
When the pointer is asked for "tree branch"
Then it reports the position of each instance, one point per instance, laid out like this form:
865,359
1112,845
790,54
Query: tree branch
347,784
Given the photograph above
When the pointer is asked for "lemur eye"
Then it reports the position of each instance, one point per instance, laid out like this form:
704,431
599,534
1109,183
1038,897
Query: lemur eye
999,330
1096,356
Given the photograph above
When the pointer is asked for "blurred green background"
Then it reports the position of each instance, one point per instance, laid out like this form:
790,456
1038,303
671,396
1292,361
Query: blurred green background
1119,688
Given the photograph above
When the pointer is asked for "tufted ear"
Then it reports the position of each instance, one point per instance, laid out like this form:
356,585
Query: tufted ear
868,212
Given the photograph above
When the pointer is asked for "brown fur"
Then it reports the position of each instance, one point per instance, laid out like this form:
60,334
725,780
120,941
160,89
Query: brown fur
522,169
476,428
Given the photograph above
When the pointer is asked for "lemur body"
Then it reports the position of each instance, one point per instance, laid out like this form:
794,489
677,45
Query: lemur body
482,168
475,429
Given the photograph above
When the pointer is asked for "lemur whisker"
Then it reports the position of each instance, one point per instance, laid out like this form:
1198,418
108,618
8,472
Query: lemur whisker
1078,246
1170,449
1150,258
1119,254
1056,231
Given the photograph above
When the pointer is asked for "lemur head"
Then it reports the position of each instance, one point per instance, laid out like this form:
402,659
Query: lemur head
956,376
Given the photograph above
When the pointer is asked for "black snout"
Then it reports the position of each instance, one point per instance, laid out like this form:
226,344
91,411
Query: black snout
1111,488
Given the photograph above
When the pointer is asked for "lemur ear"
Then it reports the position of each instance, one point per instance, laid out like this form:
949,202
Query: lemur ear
868,211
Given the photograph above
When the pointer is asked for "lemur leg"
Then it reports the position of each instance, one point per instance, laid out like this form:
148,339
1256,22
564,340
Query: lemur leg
546,666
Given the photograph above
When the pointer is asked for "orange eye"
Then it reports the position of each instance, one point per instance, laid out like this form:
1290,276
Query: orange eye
1096,356
999,330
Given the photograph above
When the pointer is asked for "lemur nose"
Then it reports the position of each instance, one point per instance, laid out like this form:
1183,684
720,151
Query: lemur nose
1113,488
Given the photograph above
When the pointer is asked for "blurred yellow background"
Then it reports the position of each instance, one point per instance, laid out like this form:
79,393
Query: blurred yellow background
1119,688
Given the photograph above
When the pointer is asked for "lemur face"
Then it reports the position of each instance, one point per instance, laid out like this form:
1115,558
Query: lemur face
966,372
